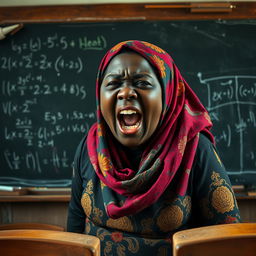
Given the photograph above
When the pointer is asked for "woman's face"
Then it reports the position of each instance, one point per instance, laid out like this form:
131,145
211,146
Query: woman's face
131,99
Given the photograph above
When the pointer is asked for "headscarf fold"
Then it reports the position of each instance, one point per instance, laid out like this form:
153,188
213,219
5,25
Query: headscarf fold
168,153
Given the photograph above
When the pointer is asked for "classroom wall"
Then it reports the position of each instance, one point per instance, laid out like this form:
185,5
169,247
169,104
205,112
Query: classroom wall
54,210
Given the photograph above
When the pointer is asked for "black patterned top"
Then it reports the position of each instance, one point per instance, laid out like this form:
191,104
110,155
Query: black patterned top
209,200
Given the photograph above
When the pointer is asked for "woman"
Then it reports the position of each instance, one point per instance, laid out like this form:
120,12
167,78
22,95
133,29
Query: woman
148,167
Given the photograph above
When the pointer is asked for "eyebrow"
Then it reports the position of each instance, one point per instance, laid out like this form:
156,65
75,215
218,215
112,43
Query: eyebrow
135,75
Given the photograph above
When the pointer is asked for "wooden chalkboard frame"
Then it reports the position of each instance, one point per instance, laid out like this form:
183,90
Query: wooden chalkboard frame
121,12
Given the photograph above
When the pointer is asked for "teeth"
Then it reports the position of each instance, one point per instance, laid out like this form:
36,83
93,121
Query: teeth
130,127
128,112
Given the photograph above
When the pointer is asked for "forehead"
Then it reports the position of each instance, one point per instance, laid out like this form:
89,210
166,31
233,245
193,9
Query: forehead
130,61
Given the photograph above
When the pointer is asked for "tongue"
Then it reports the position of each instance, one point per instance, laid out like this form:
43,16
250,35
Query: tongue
130,120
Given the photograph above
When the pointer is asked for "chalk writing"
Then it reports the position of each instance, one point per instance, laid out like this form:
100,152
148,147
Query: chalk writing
233,97
32,160
60,42
42,62
43,87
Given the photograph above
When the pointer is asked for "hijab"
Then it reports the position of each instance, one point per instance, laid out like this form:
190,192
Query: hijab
169,153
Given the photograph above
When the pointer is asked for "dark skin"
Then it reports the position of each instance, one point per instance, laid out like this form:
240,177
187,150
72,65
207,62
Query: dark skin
131,99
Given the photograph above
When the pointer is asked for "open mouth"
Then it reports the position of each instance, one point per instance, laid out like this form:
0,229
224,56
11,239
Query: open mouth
129,121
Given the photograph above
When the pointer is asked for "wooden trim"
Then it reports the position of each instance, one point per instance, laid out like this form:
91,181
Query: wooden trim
30,225
117,12
66,198
36,198
245,198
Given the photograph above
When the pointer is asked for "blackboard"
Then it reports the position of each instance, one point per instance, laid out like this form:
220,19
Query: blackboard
48,90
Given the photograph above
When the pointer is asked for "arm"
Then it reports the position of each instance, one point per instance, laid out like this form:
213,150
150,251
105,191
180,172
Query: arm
76,215
215,199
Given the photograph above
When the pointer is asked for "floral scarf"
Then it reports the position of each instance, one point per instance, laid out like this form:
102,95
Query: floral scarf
170,152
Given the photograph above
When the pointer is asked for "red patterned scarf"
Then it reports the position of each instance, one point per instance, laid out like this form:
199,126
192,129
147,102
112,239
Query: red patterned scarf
171,150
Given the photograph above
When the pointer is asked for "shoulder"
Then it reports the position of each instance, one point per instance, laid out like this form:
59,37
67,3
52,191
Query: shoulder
207,161
206,150
81,158
204,143
82,147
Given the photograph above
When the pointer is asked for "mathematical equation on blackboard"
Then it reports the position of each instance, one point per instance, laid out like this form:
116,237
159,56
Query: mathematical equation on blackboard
44,105
61,42
232,107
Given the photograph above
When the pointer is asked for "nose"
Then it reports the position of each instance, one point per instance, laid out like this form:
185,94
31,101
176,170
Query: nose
127,93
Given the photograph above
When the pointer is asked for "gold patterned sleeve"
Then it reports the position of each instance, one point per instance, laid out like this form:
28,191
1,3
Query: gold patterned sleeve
215,199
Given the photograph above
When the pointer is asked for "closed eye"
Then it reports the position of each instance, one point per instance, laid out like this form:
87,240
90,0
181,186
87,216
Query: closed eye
143,84
112,84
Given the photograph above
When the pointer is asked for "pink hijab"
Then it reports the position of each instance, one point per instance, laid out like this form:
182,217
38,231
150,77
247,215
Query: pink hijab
171,150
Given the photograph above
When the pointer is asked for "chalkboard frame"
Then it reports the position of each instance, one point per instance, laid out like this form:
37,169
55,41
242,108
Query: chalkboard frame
122,12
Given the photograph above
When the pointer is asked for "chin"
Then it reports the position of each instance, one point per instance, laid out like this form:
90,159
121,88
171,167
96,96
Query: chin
129,142
131,145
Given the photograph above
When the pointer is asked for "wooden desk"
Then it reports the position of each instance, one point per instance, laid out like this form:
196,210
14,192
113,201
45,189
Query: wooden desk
247,207
49,209
52,209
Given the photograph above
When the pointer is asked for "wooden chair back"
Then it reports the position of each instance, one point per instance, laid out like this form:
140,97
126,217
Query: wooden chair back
30,225
218,240
23,242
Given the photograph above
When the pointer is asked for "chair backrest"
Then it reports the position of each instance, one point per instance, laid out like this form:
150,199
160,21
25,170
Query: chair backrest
30,225
218,240
23,242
